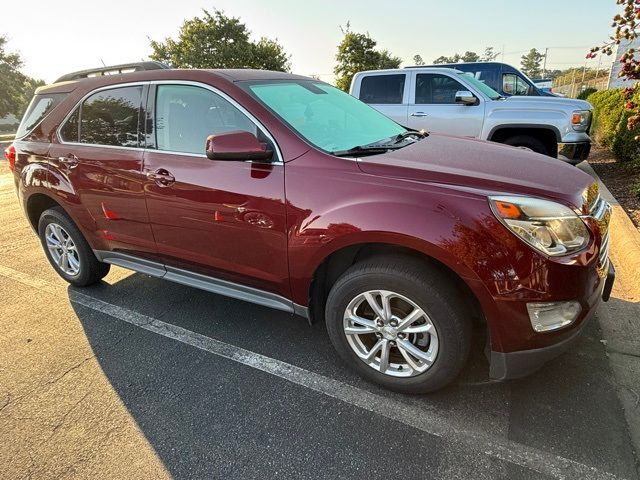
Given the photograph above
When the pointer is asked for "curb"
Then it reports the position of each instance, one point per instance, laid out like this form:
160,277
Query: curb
620,318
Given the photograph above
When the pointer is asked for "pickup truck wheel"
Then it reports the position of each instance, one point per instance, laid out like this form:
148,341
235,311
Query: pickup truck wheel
399,323
67,250
526,141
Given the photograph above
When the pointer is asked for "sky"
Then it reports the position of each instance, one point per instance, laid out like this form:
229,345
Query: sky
58,37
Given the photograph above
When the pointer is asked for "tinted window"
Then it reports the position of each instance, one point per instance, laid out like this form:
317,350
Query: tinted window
186,116
436,89
111,117
514,84
69,132
382,88
39,108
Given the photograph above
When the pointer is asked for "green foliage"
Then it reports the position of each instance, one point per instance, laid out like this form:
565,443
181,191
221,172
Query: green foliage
609,129
356,53
466,57
218,41
489,55
417,60
583,95
530,63
575,74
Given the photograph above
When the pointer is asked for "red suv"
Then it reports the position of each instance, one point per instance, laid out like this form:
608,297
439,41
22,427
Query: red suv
284,191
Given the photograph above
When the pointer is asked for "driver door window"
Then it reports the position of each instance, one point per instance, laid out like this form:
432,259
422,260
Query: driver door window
187,115
436,89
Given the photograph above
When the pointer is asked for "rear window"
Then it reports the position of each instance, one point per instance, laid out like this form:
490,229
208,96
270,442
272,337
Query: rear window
111,117
39,108
382,89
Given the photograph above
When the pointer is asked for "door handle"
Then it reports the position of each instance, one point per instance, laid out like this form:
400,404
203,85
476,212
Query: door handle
161,177
70,160
418,114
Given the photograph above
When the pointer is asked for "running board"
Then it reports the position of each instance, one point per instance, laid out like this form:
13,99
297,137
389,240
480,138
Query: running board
202,282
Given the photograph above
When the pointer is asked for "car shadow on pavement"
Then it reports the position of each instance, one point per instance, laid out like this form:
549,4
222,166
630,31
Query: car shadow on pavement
207,416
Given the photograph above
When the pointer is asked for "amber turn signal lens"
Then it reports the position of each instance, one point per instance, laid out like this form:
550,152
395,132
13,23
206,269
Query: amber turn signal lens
576,119
507,210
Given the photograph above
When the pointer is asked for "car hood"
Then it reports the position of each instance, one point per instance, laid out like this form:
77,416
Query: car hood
469,164
548,102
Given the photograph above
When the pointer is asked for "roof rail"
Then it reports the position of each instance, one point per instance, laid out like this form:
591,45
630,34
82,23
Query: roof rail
112,70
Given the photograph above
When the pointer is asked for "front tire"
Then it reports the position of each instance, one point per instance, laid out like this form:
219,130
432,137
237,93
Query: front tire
67,250
527,142
399,323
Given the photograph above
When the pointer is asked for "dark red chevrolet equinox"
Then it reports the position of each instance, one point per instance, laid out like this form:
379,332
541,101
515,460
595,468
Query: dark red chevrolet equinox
284,191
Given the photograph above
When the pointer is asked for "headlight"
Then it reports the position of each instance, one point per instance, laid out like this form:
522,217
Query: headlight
549,227
580,120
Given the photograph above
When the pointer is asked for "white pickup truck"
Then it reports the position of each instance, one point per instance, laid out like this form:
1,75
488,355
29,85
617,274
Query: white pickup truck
446,100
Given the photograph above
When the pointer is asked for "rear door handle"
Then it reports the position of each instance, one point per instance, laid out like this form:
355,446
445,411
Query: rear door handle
70,160
418,114
161,177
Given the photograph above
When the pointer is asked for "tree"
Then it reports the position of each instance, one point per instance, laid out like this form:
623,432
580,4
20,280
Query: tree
531,63
218,41
489,55
17,88
466,57
417,60
357,52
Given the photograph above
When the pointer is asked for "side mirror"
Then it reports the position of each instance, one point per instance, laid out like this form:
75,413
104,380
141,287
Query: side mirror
465,97
238,145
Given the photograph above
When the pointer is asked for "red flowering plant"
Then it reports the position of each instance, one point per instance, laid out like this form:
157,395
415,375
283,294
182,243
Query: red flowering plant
627,26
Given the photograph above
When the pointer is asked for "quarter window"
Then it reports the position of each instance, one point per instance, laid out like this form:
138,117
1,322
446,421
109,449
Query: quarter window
70,131
111,117
436,89
186,115
382,89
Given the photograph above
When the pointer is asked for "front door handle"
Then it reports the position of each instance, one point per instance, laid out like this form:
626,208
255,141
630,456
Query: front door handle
70,160
418,114
161,177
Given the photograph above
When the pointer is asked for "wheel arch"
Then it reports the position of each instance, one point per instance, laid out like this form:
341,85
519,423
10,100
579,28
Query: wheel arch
335,263
547,134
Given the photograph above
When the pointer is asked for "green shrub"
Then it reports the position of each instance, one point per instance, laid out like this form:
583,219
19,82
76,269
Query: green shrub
586,92
609,127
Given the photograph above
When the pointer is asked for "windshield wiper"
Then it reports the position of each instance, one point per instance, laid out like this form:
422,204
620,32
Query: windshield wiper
362,150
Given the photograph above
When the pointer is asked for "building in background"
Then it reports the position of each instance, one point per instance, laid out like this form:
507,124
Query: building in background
614,80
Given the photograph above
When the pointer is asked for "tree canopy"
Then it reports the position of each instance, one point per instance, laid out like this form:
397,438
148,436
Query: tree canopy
17,88
219,41
488,56
530,63
357,52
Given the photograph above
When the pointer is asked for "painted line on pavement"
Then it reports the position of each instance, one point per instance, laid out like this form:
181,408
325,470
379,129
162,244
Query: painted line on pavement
503,449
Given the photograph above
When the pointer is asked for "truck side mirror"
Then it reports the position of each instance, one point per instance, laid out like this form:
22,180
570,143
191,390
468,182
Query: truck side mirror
465,97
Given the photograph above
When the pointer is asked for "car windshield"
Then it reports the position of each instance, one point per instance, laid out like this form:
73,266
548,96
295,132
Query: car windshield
483,87
325,116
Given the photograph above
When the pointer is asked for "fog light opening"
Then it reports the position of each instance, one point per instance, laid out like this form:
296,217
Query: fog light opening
550,316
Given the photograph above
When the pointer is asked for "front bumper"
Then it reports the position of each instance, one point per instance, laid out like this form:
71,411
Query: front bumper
574,152
511,365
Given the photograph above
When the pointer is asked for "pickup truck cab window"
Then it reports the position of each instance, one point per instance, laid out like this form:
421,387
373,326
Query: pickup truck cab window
383,89
436,89
186,115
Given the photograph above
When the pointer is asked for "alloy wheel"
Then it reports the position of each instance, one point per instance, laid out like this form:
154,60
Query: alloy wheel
390,333
62,249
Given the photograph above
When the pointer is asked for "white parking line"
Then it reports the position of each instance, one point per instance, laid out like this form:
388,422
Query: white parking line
503,449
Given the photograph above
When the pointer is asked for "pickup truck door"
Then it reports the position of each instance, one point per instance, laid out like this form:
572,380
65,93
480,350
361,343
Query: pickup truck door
386,92
432,106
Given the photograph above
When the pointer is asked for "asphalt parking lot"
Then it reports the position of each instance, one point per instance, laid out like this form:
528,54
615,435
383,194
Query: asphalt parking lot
141,378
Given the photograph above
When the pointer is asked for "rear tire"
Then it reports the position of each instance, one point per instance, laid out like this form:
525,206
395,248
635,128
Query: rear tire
424,355
67,250
526,141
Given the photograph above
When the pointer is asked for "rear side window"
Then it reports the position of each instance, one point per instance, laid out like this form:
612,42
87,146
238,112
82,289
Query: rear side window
109,117
436,89
39,108
382,89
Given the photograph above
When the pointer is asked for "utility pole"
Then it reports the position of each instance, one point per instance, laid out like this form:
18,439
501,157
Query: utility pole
544,65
